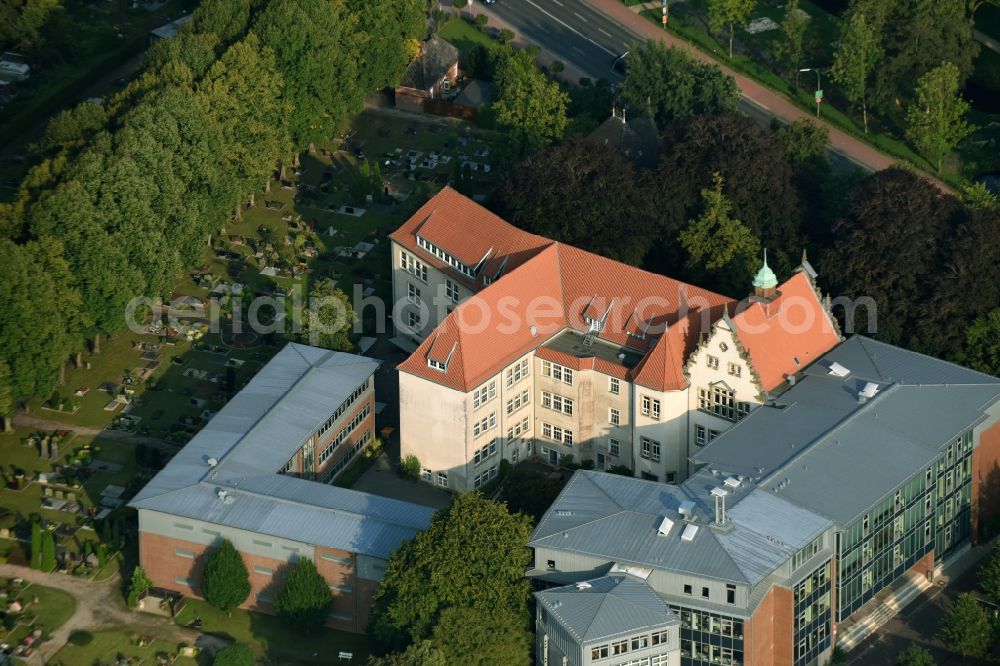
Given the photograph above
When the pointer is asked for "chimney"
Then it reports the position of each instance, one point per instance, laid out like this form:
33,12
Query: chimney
720,505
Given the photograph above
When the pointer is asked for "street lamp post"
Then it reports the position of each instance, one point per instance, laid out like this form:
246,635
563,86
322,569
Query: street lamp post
819,88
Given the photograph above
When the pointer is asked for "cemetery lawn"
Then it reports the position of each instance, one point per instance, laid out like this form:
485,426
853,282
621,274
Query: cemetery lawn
272,641
101,647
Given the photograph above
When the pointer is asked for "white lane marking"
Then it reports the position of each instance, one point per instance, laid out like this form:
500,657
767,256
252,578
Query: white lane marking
604,32
579,17
579,50
572,29
557,2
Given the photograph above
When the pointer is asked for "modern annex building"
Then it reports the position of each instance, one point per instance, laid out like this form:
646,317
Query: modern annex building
256,475
875,463
524,346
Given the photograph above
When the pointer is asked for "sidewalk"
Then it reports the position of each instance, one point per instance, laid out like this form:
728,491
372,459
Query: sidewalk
775,103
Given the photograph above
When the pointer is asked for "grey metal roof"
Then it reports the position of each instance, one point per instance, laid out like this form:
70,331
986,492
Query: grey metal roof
252,438
616,518
823,449
435,59
606,608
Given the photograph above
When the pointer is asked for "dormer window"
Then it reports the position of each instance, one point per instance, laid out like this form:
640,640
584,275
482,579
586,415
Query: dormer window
437,365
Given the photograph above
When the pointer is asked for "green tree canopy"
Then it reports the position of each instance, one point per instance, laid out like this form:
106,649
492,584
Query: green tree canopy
855,60
304,600
48,561
329,318
227,20
6,396
728,13
719,244
530,105
473,555
422,653
480,637
982,352
670,83
966,628
234,654
935,123
226,582
36,544
788,50
585,194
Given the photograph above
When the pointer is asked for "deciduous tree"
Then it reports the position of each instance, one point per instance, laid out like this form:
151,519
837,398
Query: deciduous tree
329,319
674,86
422,653
935,123
6,397
480,637
719,244
138,584
966,628
473,555
855,60
234,654
226,582
305,598
729,12
36,545
793,29
982,352
585,194
48,560
531,106
915,656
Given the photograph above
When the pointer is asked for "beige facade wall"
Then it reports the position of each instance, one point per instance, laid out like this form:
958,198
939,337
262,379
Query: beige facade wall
720,360
669,431
433,294
433,420
603,401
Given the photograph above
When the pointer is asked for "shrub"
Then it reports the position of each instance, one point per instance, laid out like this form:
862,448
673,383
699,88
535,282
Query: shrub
557,66
140,583
409,467
235,654
506,35
482,19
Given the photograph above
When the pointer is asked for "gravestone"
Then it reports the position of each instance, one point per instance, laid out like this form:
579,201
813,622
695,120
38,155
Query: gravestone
54,452
45,446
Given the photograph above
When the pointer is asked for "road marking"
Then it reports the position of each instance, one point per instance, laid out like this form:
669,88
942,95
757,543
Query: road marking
604,32
571,29
557,2
579,17
579,50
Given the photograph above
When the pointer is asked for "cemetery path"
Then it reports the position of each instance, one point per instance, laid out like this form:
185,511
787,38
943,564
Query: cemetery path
99,606
28,421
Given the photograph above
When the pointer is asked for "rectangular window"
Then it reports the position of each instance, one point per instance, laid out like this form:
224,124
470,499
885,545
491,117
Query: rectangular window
720,401
425,474
186,554
599,652
557,403
621,647
713,362
413,293
614,385
650,449
451,289
183,526
646,405
700,435
343,589
614,416
730,594
704,592
265,571
333,558
735,369
215,533
413,319
551,564
656,410
262,543
687,589
517,371
614,447
181,580
442,478
557,372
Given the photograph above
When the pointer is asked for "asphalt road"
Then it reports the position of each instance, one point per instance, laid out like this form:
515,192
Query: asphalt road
589,40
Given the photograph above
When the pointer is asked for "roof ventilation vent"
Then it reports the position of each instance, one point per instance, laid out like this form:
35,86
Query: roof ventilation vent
563,512
224,496
837,370
212,462
621,356
689,533
665,526
534,331
731,482
686,509
583,585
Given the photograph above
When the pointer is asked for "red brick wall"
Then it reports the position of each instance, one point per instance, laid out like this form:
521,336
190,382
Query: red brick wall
768,634
925,565
157,556
985,479
367,425
409,99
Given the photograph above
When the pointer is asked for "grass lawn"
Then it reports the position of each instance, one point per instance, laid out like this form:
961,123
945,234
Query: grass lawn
52,609
465,36
271,639
102,647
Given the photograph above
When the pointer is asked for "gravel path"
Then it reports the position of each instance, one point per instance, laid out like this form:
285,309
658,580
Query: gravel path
38,423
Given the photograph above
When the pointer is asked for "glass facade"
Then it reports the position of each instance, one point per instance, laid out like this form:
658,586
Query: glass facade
709,638
929,512
811,609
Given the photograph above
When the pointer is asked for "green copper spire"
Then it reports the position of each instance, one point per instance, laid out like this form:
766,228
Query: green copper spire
765,279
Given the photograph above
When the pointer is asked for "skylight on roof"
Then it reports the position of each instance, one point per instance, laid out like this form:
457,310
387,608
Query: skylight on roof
837,370
665,526
689,533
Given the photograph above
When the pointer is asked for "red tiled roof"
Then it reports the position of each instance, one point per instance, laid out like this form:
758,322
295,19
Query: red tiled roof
550,292
793,327
468,232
